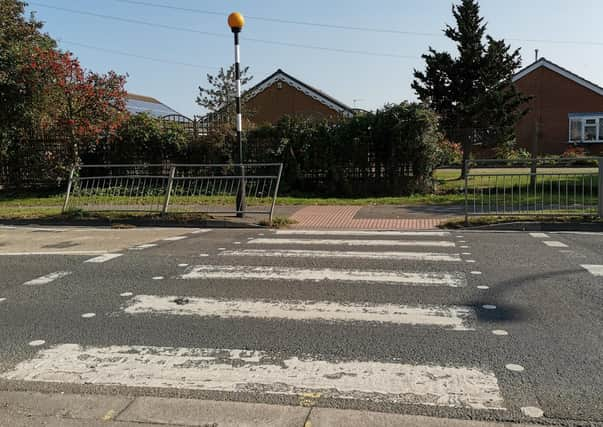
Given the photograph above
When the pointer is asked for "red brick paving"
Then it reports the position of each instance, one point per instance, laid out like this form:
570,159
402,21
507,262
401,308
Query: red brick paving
342,217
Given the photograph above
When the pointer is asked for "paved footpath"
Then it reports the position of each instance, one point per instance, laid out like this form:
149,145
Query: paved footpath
300,328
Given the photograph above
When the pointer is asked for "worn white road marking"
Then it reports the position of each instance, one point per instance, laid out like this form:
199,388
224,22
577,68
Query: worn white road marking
595,270
539,235
88,315
360,233
464,247
83,253
532,412
500,333
471,261
483,288
126,294
158,278
515,368
476,273
175,238
242,272
103,258
449,317
204,255
49,278
200,231
182,265
336,242
295,253
2,299
489,307
142,247
554,244
37,343
228,370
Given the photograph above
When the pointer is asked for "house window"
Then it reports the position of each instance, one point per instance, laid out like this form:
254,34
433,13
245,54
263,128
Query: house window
586,128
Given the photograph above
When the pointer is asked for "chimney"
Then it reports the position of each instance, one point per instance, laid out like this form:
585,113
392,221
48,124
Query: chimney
536,54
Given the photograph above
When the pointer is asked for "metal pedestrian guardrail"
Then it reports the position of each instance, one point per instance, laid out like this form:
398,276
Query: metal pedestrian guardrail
178,188
542,187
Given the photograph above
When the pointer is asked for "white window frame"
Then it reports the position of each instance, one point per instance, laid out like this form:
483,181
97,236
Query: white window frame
599,123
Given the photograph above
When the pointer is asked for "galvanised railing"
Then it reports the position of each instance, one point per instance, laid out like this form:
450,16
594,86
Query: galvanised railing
544,187
177,188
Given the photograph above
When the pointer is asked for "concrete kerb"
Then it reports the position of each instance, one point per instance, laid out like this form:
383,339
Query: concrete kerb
35,408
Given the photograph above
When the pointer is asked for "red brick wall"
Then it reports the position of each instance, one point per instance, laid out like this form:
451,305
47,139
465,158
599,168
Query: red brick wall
555,97
273,103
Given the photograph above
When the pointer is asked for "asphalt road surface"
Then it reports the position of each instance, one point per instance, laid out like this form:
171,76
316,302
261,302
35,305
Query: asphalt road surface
470,325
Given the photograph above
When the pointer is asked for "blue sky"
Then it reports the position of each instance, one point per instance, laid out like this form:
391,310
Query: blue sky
362,80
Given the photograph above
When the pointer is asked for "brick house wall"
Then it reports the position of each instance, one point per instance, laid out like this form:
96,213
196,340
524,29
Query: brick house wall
555,96
281,99
281,94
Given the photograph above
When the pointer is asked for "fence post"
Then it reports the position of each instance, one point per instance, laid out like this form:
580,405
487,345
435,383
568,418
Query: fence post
466,171
278,183
600,187
168,191
69,185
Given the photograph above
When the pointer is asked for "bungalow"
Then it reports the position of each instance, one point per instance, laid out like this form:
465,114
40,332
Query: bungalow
565,110
279,95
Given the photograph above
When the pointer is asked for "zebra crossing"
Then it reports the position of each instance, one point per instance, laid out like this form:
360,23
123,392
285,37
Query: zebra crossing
262,371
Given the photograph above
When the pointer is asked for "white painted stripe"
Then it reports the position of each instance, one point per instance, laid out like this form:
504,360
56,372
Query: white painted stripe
294,253
83,253
455,280
103,258
175,238
250,371
270,241
554,244
595,270
2,299
239,122
49,278
203,230
142,247
539,235
449,317
362,233
237,54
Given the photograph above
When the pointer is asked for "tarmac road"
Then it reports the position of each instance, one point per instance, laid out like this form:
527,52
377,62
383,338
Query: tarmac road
466,325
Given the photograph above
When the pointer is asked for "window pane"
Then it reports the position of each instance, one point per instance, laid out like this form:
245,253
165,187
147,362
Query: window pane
575,130
590,132
591,121
601,129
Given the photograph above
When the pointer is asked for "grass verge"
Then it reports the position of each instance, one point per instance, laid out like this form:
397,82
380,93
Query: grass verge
457,223
278,222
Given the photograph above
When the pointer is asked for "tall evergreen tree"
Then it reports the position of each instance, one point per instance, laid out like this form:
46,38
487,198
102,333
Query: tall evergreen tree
473,91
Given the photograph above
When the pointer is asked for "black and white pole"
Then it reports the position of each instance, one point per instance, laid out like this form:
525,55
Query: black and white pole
236,22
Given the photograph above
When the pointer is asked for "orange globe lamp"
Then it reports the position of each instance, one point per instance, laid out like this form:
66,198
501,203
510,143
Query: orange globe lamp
236,22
